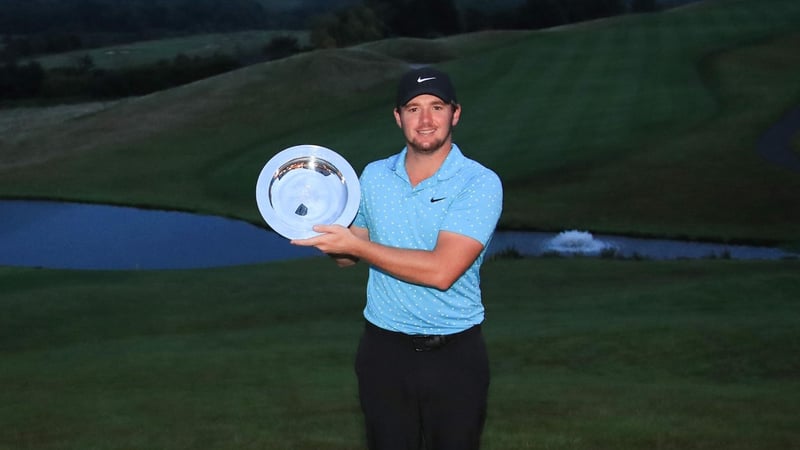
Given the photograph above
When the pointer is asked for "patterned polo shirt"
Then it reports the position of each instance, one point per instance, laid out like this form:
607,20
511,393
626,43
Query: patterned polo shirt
462,197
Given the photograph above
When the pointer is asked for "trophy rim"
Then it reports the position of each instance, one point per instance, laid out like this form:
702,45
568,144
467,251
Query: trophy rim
307,162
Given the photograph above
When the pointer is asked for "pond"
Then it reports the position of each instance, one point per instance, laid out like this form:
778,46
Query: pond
100,237
82,236
573,242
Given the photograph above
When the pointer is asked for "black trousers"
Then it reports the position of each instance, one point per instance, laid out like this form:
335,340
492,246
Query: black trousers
422,393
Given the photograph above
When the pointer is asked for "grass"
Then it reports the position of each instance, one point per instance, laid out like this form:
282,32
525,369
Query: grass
639,125
151,51
616,126
585,354
145,363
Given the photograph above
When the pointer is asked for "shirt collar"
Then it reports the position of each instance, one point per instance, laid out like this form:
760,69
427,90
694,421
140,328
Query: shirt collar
450,167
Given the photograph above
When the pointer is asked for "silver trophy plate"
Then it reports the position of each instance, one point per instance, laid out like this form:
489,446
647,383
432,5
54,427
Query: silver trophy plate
307,185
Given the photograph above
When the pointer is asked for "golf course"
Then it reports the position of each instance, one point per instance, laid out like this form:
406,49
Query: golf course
640,125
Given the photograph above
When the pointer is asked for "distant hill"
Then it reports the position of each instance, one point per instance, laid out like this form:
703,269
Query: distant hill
644,124
59,16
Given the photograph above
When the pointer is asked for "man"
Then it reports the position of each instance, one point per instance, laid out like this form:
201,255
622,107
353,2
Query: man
426,217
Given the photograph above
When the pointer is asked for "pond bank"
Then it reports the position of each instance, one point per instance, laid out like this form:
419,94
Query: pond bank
100,237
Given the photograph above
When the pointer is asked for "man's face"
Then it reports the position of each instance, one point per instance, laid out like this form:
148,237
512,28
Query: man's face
427,123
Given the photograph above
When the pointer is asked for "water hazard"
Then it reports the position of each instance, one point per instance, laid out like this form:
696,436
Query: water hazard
100,237
82,236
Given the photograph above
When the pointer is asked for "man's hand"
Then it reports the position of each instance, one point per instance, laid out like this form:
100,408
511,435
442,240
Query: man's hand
336,241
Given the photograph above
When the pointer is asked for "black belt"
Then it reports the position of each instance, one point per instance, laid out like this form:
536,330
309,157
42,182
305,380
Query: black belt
426,342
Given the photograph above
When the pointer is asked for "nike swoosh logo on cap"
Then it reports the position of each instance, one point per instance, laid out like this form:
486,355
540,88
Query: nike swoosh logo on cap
422,80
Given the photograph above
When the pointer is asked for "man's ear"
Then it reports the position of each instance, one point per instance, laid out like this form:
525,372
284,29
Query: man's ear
456,114
397,117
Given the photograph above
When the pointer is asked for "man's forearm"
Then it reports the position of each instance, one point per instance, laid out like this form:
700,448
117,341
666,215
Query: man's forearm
438,268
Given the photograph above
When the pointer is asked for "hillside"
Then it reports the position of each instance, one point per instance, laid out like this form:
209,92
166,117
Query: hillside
637,125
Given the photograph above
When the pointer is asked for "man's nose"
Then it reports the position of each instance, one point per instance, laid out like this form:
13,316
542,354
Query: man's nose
426,115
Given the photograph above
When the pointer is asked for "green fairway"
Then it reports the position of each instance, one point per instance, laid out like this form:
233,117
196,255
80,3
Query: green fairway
639,125
636,125
585,354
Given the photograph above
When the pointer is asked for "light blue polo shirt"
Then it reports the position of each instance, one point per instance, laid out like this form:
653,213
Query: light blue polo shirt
462,197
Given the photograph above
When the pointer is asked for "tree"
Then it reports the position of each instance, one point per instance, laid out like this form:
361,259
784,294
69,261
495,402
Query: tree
23,81
281,47
544,13
418,18
346,27
323,30
640,6
83,64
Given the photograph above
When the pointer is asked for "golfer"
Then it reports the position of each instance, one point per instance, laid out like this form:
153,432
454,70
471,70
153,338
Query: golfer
425,219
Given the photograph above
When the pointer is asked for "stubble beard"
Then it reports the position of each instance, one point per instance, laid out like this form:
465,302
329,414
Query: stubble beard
429,147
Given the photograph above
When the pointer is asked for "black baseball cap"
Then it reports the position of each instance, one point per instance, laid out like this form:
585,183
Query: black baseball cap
425,80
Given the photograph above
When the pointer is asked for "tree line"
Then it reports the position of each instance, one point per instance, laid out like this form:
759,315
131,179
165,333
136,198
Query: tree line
377,19
24,17
82,80
353,23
